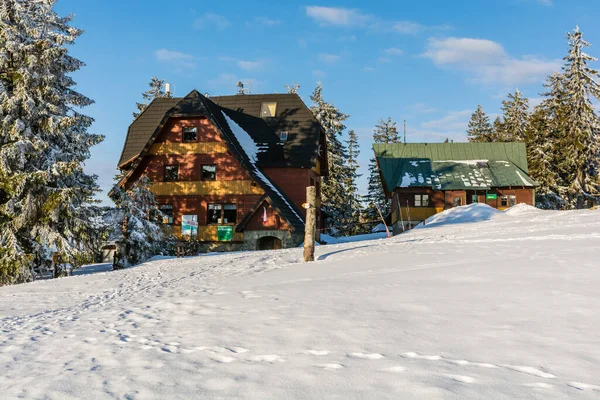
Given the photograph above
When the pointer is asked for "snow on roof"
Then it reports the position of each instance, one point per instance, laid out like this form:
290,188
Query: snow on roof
252,149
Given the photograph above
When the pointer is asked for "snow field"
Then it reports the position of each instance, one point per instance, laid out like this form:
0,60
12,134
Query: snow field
502,308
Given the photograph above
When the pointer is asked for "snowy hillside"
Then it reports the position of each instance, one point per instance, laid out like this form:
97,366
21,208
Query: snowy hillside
503,308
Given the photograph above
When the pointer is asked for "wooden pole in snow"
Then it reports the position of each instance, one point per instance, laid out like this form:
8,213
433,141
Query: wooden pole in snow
383,220
310,229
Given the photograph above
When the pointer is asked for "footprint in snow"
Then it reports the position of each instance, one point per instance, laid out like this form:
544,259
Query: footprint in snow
583,386
221,358
330,366
366,356
529,370
237,350
270,358
316,352
460,378
421,357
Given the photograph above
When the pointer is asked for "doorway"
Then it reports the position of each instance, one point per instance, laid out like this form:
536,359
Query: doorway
269,243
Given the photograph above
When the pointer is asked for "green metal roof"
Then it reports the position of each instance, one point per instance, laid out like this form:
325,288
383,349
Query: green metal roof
453,166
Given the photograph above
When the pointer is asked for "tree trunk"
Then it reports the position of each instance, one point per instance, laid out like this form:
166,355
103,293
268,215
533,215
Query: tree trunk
310,229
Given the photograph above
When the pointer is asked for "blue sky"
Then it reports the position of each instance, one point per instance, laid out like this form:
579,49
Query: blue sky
429,63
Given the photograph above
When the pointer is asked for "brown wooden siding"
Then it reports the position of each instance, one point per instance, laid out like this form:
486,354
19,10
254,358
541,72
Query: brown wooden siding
274,222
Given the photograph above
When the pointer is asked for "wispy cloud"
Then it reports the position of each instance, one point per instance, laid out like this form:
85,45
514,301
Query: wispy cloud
338,16
393,51
229,81
210,20
317,73
487,62
266,21
453,120
175,58
354,18
383,60
329,58
420,108
246,65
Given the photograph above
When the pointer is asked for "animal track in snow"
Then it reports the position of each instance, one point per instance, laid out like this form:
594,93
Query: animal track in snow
366,356
237,350
221,358
421,357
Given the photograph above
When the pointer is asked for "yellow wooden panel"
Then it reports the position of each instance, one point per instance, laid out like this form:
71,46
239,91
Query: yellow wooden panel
188,148
187,188
209,234
317,167
416,213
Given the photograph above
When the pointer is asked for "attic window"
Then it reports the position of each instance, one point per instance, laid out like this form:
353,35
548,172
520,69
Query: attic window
267,109
190,134
283,136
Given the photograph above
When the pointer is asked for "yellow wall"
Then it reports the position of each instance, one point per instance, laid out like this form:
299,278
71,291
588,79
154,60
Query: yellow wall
416,213
317,167
209,234
188,148
186,188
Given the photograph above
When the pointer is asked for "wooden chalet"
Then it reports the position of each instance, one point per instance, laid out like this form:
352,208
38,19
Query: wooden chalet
229,171
423,179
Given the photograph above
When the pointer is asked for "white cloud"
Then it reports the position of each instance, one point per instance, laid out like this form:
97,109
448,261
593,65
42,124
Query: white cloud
212,20
420,108
394,51
407,27
317,73
383,60
329,58
337,16
175,58
266,21
487,62
454,120
229,82
244,64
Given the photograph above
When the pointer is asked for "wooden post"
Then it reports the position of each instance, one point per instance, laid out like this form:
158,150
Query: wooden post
310,230
387,231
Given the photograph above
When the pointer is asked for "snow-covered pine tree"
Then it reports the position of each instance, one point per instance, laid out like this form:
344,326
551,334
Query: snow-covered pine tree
497,130
156,91
351,221
480,128
142,233
514,120
293,88
384,132
44,141
332,188
578,147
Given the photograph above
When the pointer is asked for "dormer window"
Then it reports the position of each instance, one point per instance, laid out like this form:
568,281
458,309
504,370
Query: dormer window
268,109
283,136
190,134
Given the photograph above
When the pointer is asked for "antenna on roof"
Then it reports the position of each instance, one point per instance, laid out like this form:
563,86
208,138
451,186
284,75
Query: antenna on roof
167,89
240,87
404,131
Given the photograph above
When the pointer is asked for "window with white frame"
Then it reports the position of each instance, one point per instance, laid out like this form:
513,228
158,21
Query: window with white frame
421,200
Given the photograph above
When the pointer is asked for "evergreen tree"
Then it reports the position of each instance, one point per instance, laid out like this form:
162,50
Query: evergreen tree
351,221
578,147
332,188
142,235
156,91
479,129
45,196
497,130
514,123
384,132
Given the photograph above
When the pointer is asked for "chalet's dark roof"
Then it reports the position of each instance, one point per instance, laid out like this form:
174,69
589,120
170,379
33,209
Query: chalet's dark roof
196,104
453,166
292,116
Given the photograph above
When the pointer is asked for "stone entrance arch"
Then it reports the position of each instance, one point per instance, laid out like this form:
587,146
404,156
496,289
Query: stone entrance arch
269,243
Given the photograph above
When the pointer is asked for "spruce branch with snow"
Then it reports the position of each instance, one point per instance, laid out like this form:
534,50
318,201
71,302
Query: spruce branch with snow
156,91
45,196
514,120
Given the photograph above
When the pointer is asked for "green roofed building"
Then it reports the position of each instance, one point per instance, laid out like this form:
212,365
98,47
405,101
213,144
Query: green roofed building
423,179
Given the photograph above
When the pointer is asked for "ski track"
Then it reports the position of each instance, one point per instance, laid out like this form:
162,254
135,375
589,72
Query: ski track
142,311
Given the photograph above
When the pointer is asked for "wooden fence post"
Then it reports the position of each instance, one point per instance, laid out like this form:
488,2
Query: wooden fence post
310,229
